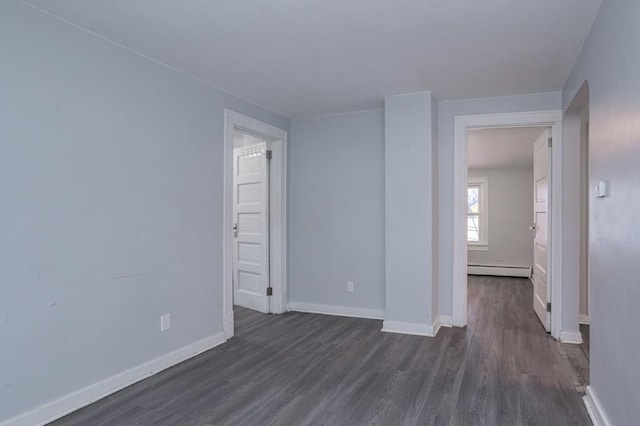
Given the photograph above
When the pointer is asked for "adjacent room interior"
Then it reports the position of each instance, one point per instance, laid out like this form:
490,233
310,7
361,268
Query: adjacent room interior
500,223
319,212
501,198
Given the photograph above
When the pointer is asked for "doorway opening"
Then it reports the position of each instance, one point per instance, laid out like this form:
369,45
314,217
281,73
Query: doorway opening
584,231
578,314
254,225
507,221
551,120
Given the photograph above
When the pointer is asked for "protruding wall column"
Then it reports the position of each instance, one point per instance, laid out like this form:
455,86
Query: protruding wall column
411,237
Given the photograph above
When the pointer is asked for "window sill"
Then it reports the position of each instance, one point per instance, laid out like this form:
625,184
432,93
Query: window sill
477,247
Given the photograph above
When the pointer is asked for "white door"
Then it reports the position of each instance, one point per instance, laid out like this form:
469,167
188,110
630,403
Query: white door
541,290
251,227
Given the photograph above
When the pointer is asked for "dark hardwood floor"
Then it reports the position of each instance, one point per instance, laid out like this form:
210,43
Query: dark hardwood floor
306,369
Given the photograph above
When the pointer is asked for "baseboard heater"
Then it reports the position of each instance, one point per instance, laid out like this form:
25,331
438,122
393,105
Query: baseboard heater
500,271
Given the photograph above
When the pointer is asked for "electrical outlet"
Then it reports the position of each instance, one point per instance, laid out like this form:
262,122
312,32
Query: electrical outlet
350,286
499,258
165,322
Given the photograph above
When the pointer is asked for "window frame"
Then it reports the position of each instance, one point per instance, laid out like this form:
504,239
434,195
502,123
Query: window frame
482,183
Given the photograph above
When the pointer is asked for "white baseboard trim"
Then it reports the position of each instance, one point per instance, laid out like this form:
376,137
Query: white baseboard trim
229,325
500,271
61,407
584,319
343,311
446,320
574,337
594,408
436,326
429,330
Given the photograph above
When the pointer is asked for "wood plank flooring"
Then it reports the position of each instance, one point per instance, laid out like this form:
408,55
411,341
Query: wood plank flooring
306,369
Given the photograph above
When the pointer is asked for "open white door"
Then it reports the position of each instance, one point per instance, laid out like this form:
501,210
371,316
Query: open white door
251,227
541,290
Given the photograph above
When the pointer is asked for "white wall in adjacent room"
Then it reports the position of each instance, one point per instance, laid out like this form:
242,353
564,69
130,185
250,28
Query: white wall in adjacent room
510,214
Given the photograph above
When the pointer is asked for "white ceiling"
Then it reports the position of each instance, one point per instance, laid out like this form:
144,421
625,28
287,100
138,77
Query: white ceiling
502,148
302,58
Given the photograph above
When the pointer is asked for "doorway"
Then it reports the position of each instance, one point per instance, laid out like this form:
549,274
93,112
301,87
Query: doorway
251,189
507,218
464,124
254,225
584,231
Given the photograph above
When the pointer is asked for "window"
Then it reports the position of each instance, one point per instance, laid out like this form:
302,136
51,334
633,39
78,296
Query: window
477,213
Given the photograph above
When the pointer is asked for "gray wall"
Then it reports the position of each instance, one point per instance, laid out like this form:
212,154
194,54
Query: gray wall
609,61
336,196
447,110
111,183
409,209
510,214
435,212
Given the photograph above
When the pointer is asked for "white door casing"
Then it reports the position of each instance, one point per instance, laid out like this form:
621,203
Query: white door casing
278,303
463,123
541,288
251,227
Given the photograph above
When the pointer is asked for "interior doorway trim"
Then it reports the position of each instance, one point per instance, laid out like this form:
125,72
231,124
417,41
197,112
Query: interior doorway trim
277,139
462,125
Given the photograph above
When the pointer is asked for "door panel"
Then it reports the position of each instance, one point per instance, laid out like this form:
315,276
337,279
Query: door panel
251,235
541,290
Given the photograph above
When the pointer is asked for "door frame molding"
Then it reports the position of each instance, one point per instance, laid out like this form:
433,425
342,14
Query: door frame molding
277,222
462,124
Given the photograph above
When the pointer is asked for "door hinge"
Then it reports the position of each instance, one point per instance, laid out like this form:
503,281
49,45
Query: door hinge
269,291
548,306
549,142
269,154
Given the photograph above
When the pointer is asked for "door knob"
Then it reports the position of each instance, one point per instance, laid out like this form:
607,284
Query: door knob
532,227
